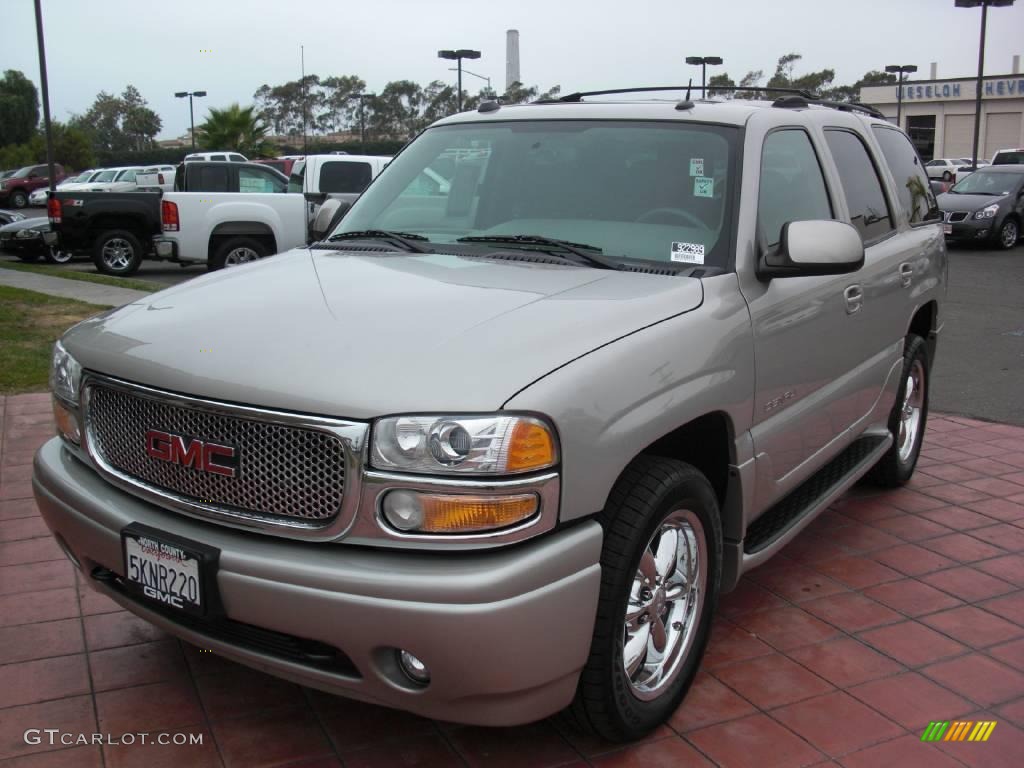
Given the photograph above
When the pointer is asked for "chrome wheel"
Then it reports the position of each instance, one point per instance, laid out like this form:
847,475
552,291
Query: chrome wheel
911,411
58,256
240,255
117,253
664,606
1008,234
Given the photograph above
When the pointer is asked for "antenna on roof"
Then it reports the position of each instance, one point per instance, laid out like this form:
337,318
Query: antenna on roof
688,87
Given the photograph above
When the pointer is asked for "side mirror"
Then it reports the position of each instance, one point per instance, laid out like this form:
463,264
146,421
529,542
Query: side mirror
813,248
315,197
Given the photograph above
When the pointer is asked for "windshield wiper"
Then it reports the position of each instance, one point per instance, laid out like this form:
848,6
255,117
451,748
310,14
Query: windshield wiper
404,239
582,253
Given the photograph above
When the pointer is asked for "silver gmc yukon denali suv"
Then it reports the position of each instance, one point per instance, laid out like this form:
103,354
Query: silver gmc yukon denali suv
493,449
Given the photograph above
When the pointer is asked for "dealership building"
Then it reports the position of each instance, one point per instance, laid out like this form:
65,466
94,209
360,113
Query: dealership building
938,114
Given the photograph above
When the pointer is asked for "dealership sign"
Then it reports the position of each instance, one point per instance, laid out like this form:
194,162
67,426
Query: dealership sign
1003,87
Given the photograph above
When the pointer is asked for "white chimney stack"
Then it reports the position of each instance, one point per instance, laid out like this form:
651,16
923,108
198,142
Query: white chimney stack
934,74
511,58
1016,64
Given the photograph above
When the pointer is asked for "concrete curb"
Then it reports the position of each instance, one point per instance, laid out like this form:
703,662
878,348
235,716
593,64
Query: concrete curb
92,293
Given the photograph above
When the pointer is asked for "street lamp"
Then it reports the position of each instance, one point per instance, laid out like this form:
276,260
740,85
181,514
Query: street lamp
362,117
191,114
474,74
459,55
900,68
702,62
981,64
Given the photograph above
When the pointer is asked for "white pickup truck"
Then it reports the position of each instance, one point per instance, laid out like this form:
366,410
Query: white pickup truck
156,177
228,213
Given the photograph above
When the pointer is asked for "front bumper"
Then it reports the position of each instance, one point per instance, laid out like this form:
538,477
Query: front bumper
971,230
504,633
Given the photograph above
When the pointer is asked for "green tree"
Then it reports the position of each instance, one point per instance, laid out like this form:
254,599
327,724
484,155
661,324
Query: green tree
813,82
397,110
234,128
852,92
339,111
119,123
19,108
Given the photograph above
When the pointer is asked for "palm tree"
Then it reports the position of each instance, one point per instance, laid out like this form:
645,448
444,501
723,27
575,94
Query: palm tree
234,128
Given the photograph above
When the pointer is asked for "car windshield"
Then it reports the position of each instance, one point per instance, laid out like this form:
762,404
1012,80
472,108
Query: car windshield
21,173
982,183
658,191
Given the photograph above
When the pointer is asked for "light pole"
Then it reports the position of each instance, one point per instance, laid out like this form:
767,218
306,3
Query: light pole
981,64
900,68
362,117
191,114
46,98
474,74
702,62
305,144
459,55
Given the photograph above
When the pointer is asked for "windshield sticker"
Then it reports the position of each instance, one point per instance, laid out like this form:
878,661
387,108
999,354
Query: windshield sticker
689,253
703,186
696,166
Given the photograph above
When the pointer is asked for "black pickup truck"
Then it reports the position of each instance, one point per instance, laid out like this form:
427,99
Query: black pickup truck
117,228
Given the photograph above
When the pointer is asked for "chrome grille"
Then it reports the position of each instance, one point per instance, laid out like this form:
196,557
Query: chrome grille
284,472
955,216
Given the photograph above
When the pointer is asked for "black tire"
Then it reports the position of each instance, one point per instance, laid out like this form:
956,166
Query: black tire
1008,234
947,176
894,469
227,253
650,491
117,252
18,199
55,255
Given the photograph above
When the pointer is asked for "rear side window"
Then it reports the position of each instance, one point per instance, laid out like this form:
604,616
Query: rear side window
212,178
345,177
220,158
236,158
915,194
1010,157
869,212
792,184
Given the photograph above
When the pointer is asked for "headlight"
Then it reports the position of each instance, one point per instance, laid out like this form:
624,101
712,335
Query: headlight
27,234
487,445
65,374
987,212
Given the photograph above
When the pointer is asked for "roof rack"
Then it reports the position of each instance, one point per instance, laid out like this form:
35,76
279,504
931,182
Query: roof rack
578,96
798,102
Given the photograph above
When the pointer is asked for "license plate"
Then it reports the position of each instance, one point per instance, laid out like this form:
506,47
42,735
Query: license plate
947,229
168,570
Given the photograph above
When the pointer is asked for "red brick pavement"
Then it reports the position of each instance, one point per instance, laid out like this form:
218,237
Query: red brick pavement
893,609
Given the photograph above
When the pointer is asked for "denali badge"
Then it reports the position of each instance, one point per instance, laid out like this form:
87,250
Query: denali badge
192,452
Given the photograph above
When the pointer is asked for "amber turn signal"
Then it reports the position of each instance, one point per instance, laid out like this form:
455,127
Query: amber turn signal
414,512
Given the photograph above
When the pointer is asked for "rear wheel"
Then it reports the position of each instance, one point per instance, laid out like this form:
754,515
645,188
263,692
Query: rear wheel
19,199
55,255
660,573
1008,235
237,251
908,418
117,252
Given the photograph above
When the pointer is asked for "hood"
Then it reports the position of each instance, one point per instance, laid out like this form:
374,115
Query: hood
970,203
360,336
27,223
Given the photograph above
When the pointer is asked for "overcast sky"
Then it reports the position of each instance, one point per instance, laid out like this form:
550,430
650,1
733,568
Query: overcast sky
160,45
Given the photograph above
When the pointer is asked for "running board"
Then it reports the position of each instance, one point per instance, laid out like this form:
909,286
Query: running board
780,525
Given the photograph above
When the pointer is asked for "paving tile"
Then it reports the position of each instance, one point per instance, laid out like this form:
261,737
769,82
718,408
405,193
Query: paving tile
868,510
429,751
1010,607
666,753
158,706
978,678
995,486
973,626
730,643
1011,653
806,549
1000,509
1003,535
962,548
29,682
270,739
41,640
111,630
137,665
954,473
856,572
852,612
863,538
1008,568
708,702
756,741
913,501
837,723
155,755
590,745
74,757
1014,712
21,528
957,518
32,607
354,725
845,662
17,508
982,450
787,628
243,691
796,582
988,465
904,752
912,528
747,597
94,602
912,597
18,489
29,551
71,715
535,744
911,700
956,493
968,583
912,643
35,577
771,681
1003,749
911,559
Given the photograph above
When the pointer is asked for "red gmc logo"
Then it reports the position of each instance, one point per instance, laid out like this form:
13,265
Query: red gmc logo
192,452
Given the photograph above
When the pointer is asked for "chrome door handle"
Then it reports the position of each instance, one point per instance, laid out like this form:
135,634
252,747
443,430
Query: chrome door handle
854,299
906,274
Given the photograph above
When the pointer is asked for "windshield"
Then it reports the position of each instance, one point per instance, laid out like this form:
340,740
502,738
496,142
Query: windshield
637,190
21,173
982,183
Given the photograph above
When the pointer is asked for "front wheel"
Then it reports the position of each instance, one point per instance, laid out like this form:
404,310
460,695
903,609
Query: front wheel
908,418
660,574
117,252
55,255
1008,235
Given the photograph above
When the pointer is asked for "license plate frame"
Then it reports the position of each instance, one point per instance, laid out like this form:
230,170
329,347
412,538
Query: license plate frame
201,561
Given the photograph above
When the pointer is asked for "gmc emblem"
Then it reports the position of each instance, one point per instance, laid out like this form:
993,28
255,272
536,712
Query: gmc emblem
192,452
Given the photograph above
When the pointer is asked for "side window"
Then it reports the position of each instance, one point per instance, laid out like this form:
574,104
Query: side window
869,212
297,178
792,184
915,193
236,158
345,176
221,158
128,176
212,178
258,180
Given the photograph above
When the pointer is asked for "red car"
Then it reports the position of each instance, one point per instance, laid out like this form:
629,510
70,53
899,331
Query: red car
15,189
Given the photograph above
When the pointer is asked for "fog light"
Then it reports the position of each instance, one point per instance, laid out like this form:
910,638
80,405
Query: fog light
67,422
456,513
413,668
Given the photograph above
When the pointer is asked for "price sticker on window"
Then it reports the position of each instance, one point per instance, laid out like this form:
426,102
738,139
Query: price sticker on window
696,166
703,186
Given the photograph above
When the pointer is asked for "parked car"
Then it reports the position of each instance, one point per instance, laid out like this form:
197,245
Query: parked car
25,239
115,180
987,206
155,178
282,164
343,177
7,174
1008,157
942,168
6,217
494,454
15,189
232,157
38,197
